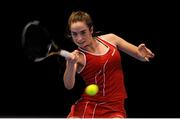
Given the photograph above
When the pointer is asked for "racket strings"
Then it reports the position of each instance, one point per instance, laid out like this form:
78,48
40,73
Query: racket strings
37,42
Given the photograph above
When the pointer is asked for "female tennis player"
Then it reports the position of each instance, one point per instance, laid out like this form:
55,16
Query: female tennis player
98,61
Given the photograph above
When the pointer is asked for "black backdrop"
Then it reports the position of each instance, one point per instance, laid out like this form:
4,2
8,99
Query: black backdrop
37,90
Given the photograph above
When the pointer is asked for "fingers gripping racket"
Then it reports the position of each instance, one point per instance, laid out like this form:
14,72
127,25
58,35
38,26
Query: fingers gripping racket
37,43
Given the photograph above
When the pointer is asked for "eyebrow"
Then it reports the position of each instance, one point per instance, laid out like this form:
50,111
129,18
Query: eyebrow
79,31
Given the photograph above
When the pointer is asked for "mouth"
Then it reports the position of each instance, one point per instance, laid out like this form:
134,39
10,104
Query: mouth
83,44
80,43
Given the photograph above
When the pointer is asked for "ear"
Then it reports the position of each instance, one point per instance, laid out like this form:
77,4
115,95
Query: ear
91,29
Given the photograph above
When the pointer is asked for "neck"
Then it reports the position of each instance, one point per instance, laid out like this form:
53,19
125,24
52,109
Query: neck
93,46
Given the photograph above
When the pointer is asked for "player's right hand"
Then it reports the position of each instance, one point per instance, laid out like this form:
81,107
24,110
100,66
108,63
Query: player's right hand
74,58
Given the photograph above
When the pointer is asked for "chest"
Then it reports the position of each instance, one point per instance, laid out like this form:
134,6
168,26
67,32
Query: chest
106,62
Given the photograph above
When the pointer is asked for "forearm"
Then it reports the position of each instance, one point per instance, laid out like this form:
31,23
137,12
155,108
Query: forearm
131,50
139,52
134,53
69,75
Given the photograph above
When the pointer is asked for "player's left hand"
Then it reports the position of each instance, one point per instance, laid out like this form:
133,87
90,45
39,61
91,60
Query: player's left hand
144,53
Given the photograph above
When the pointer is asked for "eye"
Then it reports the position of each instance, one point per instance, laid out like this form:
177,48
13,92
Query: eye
83,32
74,34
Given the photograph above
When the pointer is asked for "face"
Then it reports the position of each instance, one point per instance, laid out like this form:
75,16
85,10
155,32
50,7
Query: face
81,34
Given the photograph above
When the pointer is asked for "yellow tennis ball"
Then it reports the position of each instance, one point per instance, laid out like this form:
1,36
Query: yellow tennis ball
92,89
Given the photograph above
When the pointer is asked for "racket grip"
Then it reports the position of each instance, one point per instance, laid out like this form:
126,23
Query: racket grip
66,54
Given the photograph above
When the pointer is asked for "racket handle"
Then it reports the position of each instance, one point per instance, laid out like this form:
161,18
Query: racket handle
66,54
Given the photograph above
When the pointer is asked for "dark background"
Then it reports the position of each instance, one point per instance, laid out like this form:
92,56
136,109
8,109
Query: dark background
37,90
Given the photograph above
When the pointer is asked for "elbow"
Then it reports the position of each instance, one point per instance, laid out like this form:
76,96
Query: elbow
69,87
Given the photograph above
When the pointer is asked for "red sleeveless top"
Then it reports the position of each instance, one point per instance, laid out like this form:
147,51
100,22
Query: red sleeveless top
105,70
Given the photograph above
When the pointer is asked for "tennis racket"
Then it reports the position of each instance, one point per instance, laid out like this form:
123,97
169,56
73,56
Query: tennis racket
37,43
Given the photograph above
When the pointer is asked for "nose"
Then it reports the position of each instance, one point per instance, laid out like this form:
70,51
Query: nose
79,38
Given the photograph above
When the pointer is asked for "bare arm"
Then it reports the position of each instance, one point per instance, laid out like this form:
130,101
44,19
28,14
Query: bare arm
140,52
70,71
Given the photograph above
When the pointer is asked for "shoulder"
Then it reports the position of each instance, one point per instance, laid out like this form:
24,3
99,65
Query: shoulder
110,37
